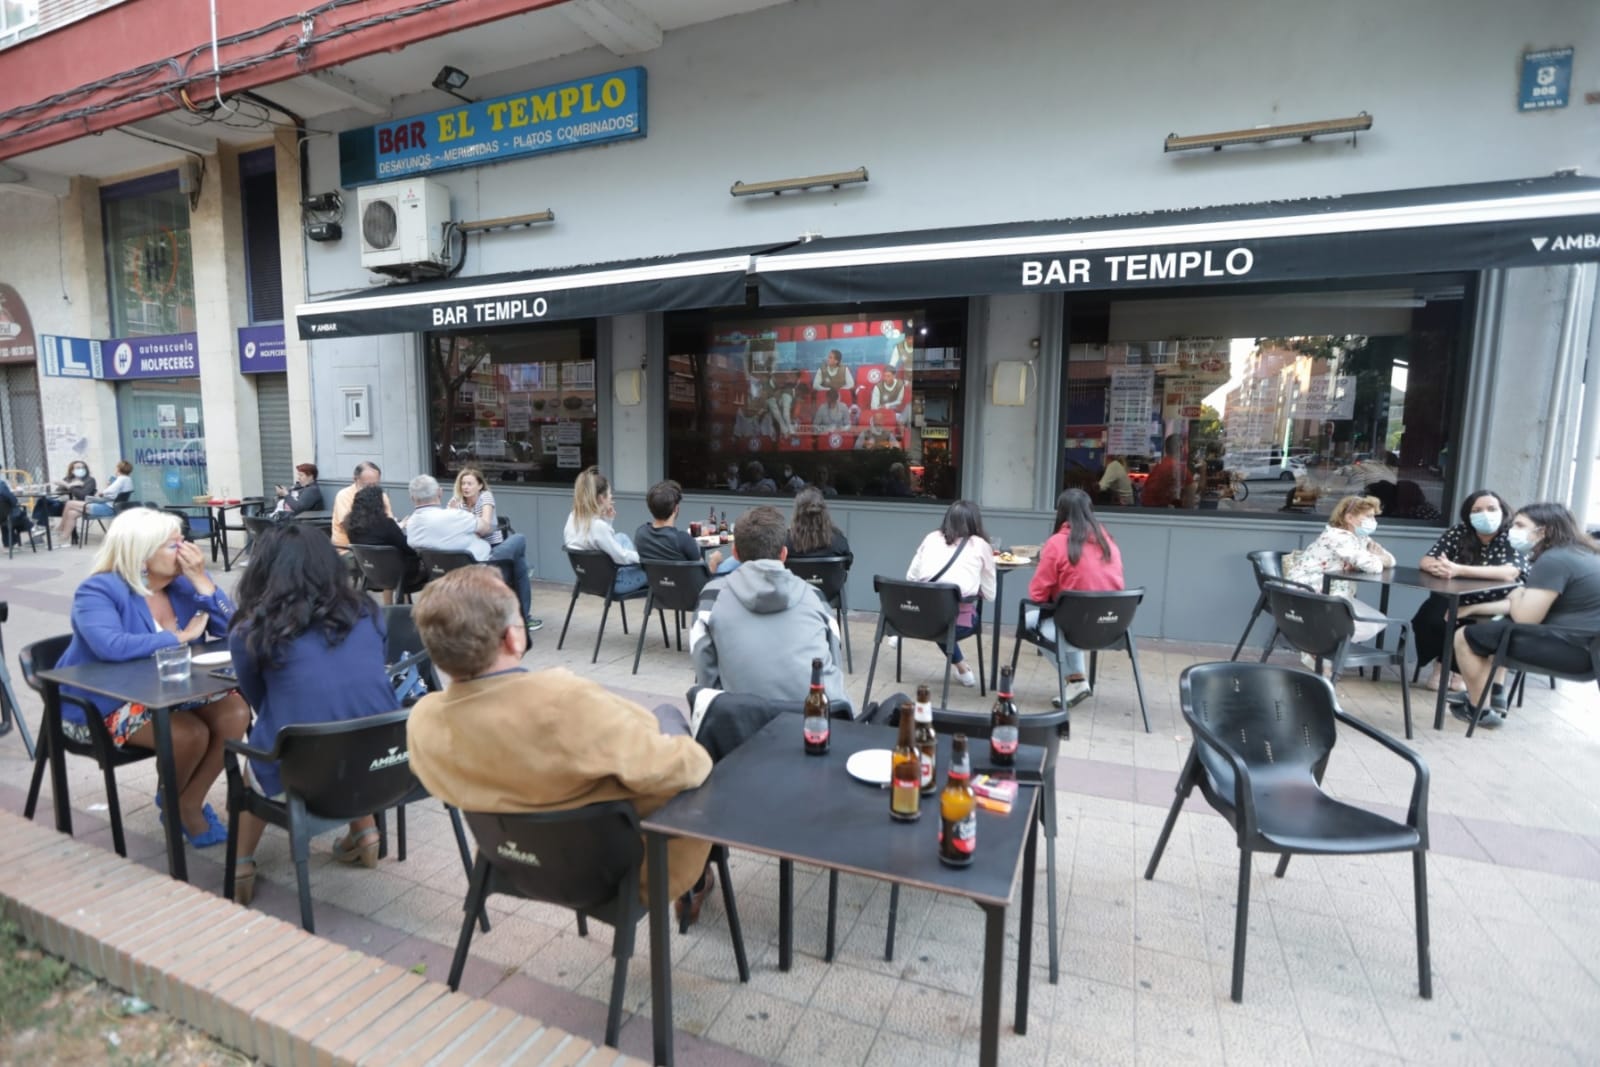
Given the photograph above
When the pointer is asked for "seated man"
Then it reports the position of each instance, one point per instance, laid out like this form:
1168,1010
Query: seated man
433,528
660,539
759,628
833,415
503,739
890,393
366,474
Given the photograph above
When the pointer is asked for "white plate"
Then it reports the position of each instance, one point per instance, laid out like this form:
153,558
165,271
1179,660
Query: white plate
211,659
871,765
1015,561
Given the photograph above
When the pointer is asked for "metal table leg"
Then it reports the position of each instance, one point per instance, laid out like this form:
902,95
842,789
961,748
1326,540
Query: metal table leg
994,951
167,772
785,914
1030,858
660,951
58,761
1446,659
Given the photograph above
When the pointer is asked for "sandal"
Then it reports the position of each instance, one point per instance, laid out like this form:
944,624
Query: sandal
244,882
360,847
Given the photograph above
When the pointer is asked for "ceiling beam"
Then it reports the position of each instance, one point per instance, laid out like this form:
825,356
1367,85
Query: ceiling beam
181,137
615,25
350,92
34,182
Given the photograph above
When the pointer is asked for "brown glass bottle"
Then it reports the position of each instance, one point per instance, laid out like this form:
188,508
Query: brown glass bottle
815,724
958,809
927,741
1003,723
905,776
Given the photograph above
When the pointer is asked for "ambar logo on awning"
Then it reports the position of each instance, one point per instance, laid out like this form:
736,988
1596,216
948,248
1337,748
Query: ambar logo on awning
1570,242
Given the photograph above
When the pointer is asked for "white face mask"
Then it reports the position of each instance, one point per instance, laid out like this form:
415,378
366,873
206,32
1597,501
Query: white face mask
79,472
1522,539
1366,526
1486,522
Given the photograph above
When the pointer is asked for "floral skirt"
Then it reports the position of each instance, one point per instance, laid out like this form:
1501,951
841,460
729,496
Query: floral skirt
125,721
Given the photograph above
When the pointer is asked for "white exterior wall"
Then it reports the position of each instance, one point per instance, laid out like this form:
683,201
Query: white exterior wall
977,113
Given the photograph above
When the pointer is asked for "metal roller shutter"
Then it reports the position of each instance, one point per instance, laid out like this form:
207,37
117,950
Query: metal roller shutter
21,428
277,455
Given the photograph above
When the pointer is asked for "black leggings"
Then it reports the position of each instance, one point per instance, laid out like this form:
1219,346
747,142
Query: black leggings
1428,628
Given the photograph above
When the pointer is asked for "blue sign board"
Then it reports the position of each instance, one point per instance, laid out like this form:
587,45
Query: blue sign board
575,114
174,356
68,357
1546,79
261,350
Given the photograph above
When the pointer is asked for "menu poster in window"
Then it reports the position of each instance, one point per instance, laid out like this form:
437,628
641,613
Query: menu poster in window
569,432
547,439
1327,399
1128,410
569,457
166,415
519,413
489,443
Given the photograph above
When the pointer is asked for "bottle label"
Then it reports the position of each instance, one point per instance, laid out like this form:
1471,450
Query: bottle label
816,730
963,835
904,798
927,769
1003,739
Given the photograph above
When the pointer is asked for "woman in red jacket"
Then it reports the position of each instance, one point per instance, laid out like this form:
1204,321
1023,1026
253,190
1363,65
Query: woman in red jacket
1079,555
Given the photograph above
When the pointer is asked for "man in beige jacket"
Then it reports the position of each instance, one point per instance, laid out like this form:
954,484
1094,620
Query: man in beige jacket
503,739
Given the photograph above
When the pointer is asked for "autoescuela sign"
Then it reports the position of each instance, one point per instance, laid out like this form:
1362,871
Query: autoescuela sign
588,111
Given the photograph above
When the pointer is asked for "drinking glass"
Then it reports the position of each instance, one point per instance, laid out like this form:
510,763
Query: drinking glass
172,663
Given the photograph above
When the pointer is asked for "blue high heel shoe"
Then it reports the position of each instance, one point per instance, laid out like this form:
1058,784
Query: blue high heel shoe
215,833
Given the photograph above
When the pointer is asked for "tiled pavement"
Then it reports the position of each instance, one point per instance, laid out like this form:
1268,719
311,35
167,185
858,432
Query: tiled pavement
1514,879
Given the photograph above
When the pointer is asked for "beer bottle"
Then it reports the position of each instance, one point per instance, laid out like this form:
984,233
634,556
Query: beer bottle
927,742
1003,722
905,777
958,809
723,527
816,727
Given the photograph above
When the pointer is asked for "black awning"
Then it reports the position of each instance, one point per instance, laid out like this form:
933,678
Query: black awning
697,280
1536,222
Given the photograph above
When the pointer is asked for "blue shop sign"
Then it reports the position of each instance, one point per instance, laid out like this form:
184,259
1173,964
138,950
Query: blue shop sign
173,356
68,357
575,114
261,350
1546,79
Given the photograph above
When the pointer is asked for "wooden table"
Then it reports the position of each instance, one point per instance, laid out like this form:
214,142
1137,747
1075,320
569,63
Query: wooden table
1452,589
771,798
133,682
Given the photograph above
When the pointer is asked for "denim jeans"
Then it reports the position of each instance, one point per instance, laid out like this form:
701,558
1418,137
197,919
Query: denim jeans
630,576
515,549
1071,658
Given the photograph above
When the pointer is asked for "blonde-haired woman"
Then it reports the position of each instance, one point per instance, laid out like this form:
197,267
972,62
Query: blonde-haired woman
1345,546
148,590
589,529
472,494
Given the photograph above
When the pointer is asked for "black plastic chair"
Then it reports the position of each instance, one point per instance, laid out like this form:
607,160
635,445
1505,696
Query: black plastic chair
1324,626
383,568
31,532
672,586
1267,565
595,573
330,770
195,524
436,564
1091,622
920,611
1042,729
119,503
54,744
1519,650
1262,737
586,859
829,575
10,708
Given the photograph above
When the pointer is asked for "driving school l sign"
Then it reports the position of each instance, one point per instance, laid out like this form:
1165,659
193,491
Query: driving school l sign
576,114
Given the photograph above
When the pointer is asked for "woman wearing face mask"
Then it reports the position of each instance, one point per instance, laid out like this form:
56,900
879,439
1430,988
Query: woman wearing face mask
1476,547
77,486
1560,596
99,506
1346,546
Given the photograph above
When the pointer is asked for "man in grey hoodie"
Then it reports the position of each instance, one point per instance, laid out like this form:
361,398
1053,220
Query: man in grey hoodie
758,628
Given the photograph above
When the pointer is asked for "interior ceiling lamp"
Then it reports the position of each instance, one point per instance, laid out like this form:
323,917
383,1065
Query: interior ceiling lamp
795,185
1294,131
451,80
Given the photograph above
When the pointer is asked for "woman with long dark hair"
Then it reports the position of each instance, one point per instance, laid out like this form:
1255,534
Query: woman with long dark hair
1476,547
1560,598
369,523
1079,554
811,529
308,648
959,551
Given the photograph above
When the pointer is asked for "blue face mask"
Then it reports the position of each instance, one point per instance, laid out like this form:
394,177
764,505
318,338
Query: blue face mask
1521,540
1486,522
1366,526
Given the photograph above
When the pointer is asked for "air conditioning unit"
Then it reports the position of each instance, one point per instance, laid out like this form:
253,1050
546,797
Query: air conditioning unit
402,226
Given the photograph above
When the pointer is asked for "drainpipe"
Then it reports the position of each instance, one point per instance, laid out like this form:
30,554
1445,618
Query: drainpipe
1554,456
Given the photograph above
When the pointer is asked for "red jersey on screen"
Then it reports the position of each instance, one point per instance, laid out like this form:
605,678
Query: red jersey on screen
1092,573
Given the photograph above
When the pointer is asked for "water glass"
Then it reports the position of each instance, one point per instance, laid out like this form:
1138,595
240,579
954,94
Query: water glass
172,664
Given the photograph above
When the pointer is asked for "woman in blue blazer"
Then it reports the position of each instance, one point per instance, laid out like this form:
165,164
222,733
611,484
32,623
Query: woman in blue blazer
148,590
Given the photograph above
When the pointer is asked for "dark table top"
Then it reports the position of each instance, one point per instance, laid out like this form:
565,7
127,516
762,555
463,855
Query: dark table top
1417,578
768,796
135,681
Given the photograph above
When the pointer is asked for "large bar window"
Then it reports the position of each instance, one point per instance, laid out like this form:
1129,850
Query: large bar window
149,263
518,404
864,403
1271,401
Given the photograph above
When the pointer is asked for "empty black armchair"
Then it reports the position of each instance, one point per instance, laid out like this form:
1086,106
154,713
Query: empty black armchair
1266,564
1262,737
671,586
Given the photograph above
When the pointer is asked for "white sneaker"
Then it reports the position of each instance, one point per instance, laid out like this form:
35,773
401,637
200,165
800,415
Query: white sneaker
1308,661
969,679
1077,693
